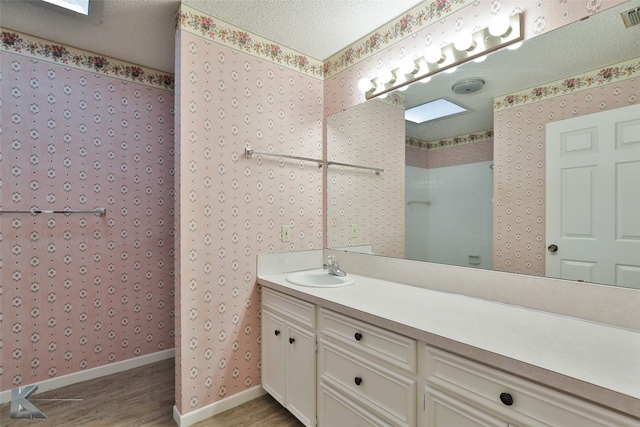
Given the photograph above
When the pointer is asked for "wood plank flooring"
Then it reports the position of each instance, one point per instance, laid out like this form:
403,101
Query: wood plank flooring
141,397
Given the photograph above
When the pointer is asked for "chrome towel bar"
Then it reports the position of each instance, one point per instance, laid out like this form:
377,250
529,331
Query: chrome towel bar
249,152
98,211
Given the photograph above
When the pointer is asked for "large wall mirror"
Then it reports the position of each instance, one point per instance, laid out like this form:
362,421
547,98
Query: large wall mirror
435,200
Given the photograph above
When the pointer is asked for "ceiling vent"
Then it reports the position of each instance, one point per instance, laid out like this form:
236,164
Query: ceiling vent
467,86
631,17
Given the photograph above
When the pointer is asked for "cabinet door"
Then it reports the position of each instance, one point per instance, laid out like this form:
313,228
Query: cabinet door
301,373
273,355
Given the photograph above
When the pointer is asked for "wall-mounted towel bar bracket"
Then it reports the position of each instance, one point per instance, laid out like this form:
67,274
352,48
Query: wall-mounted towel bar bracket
249,152
35,211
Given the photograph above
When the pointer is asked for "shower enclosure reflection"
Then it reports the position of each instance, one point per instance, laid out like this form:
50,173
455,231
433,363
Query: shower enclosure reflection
449,211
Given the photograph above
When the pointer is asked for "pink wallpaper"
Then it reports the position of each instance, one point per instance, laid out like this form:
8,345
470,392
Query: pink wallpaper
480,151
372,135
519,171
78,290
232,208
341,89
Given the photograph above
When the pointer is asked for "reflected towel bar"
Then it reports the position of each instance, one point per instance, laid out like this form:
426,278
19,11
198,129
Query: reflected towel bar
249,152
98,211
421,202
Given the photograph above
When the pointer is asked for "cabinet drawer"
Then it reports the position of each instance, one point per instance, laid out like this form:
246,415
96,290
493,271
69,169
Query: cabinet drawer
532,404
294,309
338,410
387,393
388,346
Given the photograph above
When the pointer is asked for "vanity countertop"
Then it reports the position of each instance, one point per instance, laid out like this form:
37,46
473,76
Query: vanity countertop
597,362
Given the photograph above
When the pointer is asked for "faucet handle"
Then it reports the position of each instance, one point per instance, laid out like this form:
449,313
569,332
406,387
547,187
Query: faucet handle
332,260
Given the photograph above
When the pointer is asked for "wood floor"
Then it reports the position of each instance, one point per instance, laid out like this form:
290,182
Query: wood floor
141,397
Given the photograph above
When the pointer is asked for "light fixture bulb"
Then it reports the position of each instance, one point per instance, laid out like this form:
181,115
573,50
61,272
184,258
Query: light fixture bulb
480,58
514,46
386,76
500,25
365,85
409,66
426,80
434,55
451,70
403,88
464,42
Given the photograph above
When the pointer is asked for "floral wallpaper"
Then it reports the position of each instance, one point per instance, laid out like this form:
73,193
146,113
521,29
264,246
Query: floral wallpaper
86,130
212,29
79,290
371,134
519,171
232,208
34,47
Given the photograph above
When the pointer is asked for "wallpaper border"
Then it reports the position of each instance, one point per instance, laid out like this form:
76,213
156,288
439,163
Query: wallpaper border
213,29
33,47
469,138
401,27
396,30
594,78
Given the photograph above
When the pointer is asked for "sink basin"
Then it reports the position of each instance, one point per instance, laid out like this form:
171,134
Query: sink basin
318,279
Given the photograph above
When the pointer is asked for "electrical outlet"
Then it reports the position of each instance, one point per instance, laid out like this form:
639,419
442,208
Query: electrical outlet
354,230
285,235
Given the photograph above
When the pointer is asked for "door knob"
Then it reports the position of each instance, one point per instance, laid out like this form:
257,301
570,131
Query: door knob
552,248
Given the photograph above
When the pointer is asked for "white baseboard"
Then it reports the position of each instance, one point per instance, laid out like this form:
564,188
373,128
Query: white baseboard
216,407
100,371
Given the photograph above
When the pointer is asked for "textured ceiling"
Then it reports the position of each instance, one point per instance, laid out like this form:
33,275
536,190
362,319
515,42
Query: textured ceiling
142,31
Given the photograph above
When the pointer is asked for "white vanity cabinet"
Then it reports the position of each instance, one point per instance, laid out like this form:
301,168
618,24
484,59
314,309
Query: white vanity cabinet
367,375
348,372
289,353
459,392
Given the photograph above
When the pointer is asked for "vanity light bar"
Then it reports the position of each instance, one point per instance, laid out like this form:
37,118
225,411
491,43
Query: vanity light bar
482,43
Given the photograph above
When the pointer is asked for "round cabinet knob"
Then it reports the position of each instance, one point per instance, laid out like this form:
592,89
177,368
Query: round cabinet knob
506,398
292,340
277,332
357,380
552,248
358,336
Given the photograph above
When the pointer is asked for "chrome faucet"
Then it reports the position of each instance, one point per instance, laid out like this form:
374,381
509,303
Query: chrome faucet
333,266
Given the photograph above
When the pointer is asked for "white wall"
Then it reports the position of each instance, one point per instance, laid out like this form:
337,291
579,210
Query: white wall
458,222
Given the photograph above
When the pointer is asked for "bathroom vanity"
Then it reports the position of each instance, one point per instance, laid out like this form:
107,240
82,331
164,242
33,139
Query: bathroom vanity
382,353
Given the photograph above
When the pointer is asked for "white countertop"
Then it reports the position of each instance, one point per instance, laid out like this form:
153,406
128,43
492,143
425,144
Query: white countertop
598,362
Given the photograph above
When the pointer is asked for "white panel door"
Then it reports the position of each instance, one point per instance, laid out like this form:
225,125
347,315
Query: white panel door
593,198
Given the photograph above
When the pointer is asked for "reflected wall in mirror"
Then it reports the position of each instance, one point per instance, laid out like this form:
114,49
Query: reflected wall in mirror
365,210
530,87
